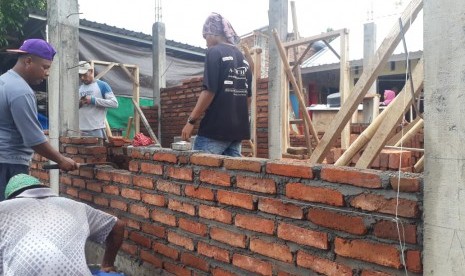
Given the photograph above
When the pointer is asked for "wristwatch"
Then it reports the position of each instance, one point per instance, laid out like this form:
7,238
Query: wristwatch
191,120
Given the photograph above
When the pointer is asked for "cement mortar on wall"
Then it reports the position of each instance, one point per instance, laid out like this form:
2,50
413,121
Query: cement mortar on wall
130,267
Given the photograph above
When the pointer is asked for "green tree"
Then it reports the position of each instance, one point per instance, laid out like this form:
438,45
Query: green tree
13,14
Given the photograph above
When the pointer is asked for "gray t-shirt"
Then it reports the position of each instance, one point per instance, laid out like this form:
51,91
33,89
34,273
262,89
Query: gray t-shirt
43,234
19,127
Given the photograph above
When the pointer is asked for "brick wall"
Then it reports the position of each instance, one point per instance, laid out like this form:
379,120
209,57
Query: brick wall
199,214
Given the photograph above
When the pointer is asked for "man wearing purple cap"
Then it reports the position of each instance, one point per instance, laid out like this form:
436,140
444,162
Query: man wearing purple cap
20,130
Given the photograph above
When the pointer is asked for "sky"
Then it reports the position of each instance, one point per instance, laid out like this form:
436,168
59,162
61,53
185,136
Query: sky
184,19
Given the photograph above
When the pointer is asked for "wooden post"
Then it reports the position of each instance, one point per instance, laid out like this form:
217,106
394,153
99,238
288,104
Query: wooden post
145,122
128,128
344,89
408,135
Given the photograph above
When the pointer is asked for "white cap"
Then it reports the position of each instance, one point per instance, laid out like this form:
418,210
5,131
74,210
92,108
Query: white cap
84,66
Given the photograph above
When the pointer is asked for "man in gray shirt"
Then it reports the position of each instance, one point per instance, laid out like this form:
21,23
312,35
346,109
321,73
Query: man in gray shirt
20,130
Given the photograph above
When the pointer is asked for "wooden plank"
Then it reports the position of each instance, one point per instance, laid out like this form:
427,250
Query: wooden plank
136,96
370,131
418,167
399,106
108,129
310,39
367,78
145,122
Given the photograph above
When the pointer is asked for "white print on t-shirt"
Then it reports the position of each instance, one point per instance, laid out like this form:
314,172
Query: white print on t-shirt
228,58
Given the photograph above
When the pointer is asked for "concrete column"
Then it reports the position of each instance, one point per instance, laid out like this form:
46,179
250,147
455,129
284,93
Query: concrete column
444,192
277,16
63,34
159,66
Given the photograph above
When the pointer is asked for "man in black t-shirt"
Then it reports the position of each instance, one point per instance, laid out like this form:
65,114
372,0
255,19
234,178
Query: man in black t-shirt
226,93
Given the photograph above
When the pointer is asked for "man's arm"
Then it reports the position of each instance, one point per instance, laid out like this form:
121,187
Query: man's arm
47,151
205,99
113,244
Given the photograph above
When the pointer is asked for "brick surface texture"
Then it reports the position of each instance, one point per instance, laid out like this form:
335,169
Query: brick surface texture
197,214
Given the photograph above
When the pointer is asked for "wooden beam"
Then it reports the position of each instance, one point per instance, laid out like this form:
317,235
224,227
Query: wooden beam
370,131
408,135
367,78
400,106
128,128
106,70
418,167
310,39
393,140
344,89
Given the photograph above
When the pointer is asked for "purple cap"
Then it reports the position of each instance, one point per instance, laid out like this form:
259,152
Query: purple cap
36,47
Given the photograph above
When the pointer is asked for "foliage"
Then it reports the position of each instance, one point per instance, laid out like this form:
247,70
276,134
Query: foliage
14,13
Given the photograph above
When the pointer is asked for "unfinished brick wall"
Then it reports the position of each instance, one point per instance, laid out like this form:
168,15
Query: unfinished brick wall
177,103
199,214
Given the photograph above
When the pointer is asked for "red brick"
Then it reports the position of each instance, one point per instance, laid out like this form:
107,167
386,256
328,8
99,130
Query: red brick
303,236
182,207
252,264
215,213
180,173
140,239
261,185
176,269
322,266
118,205
254,223
221,272
143,181
130,223
199,192
288,168
101,201
153,199
102,175
215,177
213,252
271,249
111,190
163,217
374,273
65,180
92,150
130,193
209,160
405,184
152,259
138,210
314,194
122,177
131,249
165,250
228,237
278,207
71,150
351,176
388,230
134,166
94,186
180,240
72,192
194,261
249,164
377,203
378,253
151,168
165,157
400,159
85,196
169,187
154,230
89,173
193,227
414,261
350,224
236,199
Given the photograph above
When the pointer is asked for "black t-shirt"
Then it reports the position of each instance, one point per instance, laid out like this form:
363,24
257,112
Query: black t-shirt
226,74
